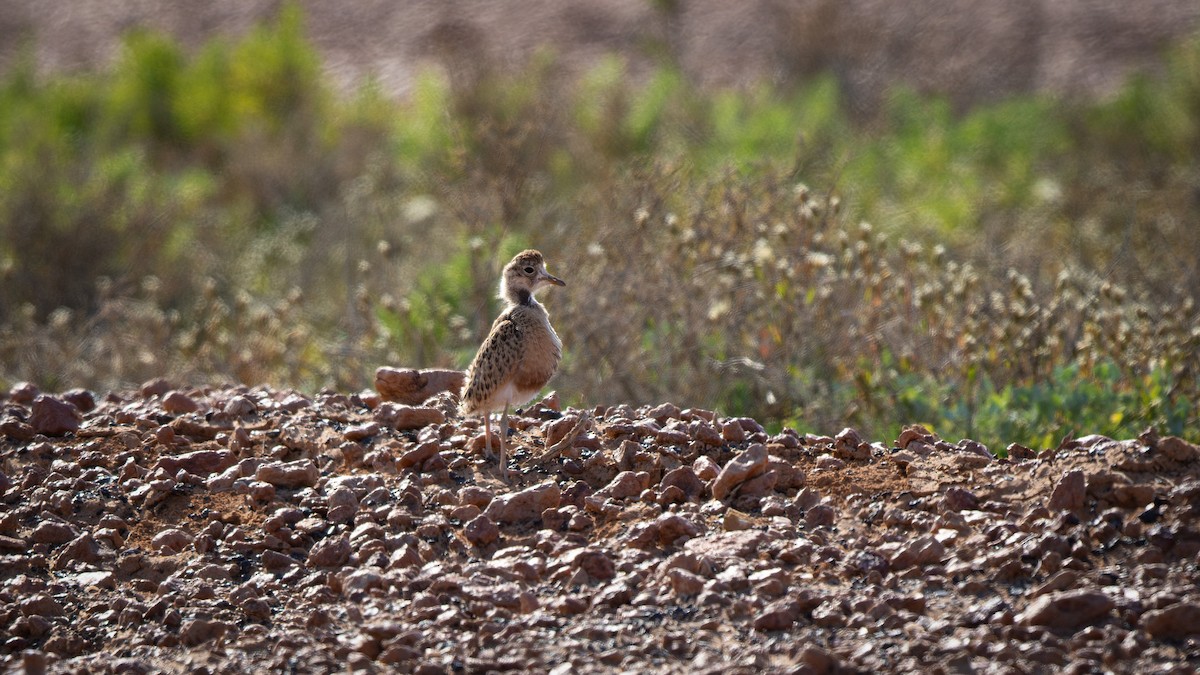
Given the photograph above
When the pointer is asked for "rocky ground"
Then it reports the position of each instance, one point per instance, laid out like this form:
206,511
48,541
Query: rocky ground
240,529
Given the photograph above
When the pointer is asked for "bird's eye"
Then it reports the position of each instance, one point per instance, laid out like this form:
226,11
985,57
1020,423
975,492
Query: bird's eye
528,270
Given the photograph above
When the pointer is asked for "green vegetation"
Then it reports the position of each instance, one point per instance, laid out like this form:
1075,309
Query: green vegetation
224,214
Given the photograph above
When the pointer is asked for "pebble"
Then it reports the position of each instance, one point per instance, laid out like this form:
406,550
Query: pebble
1173,622
53,417
288,475
1068,610
523,505
1069,493
749,463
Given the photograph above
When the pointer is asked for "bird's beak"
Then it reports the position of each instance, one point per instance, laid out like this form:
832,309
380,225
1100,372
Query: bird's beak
550,278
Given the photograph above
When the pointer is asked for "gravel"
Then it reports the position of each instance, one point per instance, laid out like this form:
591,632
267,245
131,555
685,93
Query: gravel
178,529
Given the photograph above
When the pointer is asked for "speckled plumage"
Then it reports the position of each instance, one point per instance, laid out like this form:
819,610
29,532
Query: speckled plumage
522,351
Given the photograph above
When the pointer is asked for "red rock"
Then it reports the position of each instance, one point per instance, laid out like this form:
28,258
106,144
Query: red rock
820,515
82,399
42,605
732,432
404,417
418,455
198,631
53,417
413,387
1070,492
171,541
624,485
155,387
361,432
596,563
924,550
199,462
673,529
481,531
685,479
779,615
330,553
1173,622
177,402
525,505
274,561
958,499
683,582
16,429
53,532
1067,610
475,495
743,545
289,475
749,463
23,393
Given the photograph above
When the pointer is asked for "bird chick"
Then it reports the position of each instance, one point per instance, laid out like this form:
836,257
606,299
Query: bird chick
520,354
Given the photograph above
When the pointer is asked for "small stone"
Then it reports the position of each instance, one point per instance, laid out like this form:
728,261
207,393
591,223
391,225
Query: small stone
746,465
685,479
924,550
705,468
42,605
330,553
405,417
53,417
240,406
53,533
525,505
596,563
198,631
274,561
820,515
779,615
624,485
289,475
418,455
684,583
178,402
1067,610
83,400
958,499
361,432
674,529
199,462
1069,494
481,531
23,393
155,387
171,541
1173,622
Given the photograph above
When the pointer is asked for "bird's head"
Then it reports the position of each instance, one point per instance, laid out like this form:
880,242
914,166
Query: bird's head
524,276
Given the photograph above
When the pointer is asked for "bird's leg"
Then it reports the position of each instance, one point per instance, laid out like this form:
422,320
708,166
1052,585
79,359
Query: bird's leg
487,435
503,440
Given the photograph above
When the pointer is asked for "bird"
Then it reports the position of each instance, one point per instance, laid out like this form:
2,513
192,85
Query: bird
521,352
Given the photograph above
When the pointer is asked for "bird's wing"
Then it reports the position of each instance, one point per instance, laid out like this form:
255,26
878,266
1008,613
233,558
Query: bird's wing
494,364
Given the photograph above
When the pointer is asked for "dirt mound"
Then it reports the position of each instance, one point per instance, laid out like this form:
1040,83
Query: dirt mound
224,529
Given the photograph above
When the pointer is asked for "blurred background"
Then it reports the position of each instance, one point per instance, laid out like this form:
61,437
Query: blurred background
821,213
